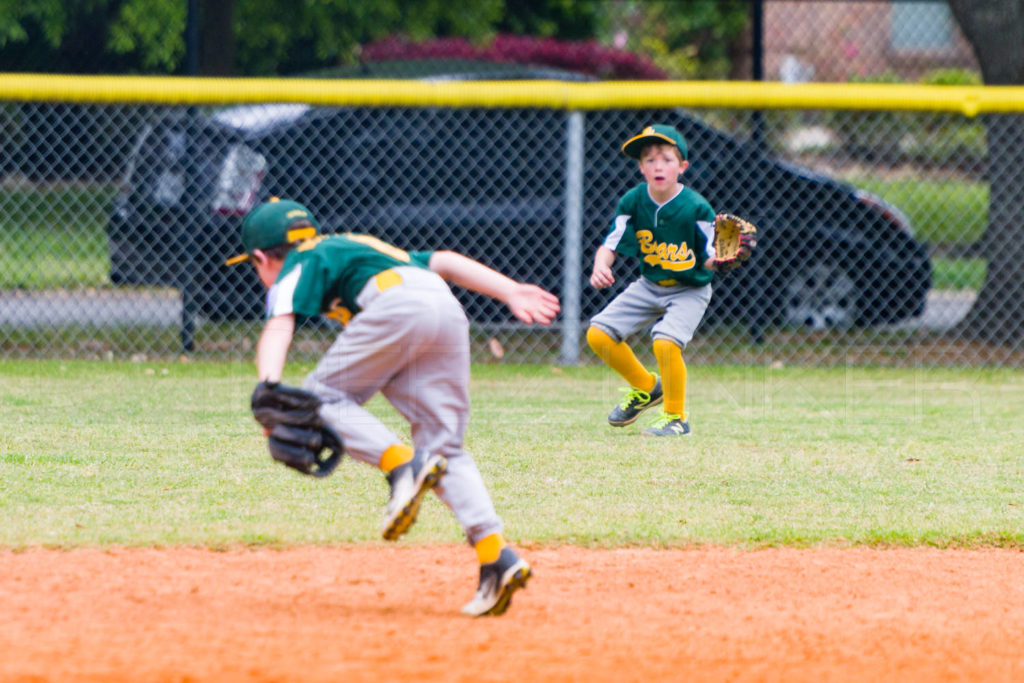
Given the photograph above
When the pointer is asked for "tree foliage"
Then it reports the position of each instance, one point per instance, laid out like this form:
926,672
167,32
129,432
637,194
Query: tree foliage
49,15
689,40
330,32
562,19
269,37
92,35
151,30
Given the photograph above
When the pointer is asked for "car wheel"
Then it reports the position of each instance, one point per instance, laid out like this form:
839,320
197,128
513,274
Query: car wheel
819,296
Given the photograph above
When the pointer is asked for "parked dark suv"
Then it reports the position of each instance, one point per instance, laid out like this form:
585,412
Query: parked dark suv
491,183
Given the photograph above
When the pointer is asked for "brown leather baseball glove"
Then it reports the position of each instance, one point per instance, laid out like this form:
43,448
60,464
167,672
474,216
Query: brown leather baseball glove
735,241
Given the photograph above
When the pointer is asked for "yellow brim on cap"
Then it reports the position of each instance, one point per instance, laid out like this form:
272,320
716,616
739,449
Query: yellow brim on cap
636,138
294,235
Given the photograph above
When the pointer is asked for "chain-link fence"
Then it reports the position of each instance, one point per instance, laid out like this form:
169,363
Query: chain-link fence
115,221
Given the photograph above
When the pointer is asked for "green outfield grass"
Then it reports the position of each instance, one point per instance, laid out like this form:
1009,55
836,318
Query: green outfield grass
95,453
54,238
947,212
958,273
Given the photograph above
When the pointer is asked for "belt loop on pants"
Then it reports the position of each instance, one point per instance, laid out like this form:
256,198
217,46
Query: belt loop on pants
386,279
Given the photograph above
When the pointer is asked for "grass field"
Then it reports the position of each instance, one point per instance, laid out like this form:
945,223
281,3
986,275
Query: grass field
145,454
958,273
54,238
946,212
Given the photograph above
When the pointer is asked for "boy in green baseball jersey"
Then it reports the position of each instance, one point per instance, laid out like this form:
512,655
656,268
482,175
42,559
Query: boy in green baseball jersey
407,337
670,228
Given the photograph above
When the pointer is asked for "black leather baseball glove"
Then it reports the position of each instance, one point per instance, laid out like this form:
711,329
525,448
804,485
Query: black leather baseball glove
297,434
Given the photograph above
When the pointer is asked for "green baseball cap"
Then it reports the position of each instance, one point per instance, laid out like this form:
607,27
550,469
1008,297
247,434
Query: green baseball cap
275,222
659,134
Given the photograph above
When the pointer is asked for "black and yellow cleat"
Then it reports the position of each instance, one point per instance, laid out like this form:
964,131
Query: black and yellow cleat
635,402
409,483
498,581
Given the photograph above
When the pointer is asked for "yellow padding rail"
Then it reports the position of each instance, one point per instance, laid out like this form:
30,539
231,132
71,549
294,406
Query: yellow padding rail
173,90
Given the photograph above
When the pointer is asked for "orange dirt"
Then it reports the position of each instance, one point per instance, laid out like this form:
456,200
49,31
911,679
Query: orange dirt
380,613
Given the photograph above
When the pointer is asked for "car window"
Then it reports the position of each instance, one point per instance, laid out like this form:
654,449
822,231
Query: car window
490,155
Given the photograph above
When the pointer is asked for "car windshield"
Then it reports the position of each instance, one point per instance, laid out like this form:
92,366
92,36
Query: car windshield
259,117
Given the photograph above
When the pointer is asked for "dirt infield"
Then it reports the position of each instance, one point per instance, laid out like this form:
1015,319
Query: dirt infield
377,613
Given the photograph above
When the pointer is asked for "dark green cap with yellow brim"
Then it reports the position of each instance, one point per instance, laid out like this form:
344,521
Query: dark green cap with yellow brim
278,221
657,134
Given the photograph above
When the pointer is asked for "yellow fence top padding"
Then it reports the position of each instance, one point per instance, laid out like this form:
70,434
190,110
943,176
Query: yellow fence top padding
173,90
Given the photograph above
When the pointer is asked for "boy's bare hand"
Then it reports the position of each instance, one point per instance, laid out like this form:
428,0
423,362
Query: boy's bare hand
531,304
602,276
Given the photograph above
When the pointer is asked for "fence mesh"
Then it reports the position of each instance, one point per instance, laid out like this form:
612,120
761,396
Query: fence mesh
115,219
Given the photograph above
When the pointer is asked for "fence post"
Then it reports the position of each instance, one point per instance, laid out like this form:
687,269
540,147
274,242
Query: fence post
573,244
188,277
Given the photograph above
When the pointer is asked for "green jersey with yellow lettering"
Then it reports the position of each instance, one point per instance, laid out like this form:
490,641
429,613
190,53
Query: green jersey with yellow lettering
672,240
325,274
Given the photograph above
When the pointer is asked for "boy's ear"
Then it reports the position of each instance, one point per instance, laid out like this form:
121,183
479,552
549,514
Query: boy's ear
259,256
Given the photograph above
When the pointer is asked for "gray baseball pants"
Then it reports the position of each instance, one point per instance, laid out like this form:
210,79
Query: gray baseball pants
411,343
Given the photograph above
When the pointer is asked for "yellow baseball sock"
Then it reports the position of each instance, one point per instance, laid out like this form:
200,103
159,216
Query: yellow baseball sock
489,548
673,376
621,359
396,455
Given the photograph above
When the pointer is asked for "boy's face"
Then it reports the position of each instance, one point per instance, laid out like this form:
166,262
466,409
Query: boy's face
661,167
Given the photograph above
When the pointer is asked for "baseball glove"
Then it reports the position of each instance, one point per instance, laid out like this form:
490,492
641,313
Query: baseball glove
297,434
735,241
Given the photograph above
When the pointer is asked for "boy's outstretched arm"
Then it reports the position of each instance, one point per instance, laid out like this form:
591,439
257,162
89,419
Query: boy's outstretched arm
602,275
529,303
272,348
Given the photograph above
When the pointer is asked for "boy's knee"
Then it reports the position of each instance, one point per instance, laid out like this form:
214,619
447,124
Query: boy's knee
598,339
667,345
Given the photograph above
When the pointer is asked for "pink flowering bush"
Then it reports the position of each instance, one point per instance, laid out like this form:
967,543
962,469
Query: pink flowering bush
588,56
